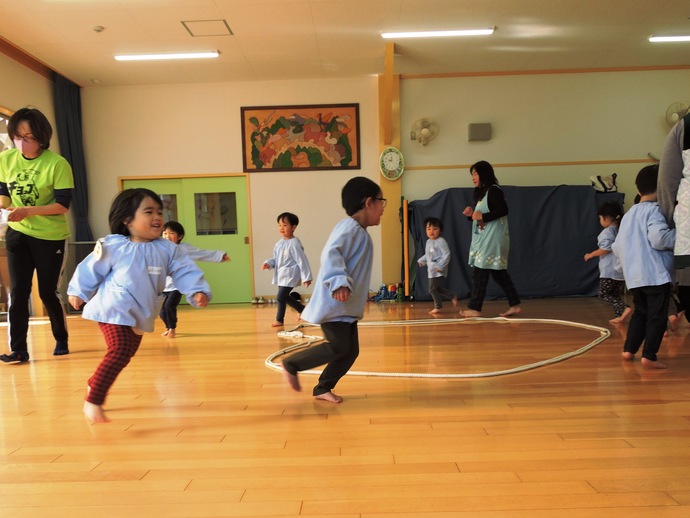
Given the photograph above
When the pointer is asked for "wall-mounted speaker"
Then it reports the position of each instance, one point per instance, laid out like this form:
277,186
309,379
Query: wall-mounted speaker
479,131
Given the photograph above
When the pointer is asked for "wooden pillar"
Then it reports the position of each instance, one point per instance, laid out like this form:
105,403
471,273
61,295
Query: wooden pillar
389,133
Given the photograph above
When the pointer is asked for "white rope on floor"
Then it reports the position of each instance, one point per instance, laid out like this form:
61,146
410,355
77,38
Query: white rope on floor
308,340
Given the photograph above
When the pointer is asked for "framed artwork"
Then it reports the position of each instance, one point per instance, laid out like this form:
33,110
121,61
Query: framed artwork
304,138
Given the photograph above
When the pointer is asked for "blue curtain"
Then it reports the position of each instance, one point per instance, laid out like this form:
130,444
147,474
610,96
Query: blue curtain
67,98
551,229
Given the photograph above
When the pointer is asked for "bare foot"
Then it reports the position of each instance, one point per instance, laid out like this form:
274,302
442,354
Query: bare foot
650,364
434,311
292,380
171,333
624,316
277,324
513,311
167,331
299,317
628,356
469,313
94,413
330,397
454,300
673,323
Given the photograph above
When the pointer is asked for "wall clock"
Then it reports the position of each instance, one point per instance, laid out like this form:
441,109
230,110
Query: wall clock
391,163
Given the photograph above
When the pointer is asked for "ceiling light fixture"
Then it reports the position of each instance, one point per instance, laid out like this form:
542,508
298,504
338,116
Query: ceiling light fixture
667,39
439,34
170,55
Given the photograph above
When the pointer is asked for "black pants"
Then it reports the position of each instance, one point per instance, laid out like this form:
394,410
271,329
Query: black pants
24,255
284,299
171,299
480,279
648,321
339,352
438,291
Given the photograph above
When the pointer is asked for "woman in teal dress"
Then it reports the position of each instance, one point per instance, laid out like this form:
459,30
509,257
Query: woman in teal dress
490,241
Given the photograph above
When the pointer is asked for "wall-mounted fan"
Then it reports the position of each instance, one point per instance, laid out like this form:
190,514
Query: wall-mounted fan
424,131
675,112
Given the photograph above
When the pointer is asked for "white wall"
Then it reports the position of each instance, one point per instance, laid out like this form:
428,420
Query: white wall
538,119
196,129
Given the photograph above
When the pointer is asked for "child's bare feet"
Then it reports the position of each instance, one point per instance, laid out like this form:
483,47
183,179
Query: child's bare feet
628,356
454,300
434,311
292,380
94,413
624,316
513,311
277,324
167,331
330,397
469,313
651,364
171,333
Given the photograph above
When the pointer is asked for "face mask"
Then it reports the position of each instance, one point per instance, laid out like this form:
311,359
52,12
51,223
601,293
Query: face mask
28,149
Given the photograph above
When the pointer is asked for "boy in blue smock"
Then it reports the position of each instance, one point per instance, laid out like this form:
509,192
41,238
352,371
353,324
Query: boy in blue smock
341,290
644,247
436,259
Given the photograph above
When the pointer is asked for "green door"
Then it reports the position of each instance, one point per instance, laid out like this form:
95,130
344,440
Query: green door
215,215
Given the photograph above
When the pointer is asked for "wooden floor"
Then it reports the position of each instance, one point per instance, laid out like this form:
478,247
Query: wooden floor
201,427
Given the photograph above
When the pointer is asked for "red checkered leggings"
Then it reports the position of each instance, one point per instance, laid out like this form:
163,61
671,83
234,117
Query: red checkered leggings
122,343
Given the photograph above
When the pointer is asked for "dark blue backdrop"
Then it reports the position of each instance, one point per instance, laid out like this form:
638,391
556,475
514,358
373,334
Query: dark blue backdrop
551,229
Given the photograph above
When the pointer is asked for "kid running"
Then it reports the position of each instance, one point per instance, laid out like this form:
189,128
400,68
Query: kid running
340,291
174,231
123,279
611,280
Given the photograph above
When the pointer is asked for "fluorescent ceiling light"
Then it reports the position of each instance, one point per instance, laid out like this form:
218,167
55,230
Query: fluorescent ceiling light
666,39
439,34
170,55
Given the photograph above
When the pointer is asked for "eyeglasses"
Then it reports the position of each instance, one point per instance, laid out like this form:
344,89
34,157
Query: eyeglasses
26,138
383,201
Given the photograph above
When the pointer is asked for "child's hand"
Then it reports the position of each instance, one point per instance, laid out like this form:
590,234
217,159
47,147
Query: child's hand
201,299
226,258
307,283
342,294
265,266
468,211
75,301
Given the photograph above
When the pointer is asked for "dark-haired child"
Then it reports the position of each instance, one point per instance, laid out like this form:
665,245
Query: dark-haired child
436,259
611,280
174,231
123,279
644,247
341,290
290,264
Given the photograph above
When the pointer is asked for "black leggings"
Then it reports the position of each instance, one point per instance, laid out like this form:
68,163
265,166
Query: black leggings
24,255
480,279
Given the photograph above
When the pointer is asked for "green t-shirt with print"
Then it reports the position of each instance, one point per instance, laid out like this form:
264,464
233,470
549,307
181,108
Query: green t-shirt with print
32,183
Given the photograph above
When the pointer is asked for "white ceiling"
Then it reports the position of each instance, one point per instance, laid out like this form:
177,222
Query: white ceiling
292,39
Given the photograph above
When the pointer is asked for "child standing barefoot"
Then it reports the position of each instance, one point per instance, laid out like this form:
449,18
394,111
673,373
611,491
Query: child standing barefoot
436,258
644,246
611,281
123,279
340,291
290,264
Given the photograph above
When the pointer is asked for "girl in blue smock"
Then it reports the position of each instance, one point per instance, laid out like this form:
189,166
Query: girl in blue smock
123,281
490,241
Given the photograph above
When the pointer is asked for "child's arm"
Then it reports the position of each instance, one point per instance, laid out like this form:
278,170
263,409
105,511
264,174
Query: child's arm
444,254
422,260
200,254
89,275
597,253
660,236
188,278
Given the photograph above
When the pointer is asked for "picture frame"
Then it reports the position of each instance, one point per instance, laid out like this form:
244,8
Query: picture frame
300,137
